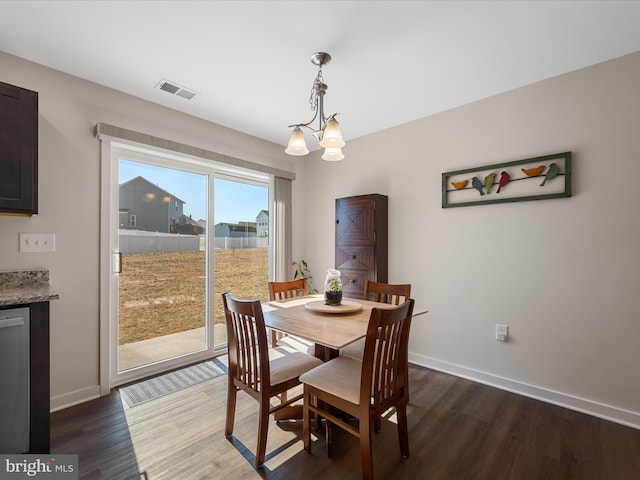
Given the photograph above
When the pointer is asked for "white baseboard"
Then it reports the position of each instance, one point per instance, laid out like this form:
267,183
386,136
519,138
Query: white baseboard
583,405
74,398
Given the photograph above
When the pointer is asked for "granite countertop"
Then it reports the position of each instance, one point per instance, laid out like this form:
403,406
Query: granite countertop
25,286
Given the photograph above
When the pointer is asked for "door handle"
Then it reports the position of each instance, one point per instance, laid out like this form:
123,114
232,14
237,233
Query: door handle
117,262
11,322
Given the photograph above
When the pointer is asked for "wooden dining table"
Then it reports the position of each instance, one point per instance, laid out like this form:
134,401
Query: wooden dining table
330,330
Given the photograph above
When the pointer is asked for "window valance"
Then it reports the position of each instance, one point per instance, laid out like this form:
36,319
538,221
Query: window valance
103,129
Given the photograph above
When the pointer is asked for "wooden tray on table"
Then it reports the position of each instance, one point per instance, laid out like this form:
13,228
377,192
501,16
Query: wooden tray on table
347,306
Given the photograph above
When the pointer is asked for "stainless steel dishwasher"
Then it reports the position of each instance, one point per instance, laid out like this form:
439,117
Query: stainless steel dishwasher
14,380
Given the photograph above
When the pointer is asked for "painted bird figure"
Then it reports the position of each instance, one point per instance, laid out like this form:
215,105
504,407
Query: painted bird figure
477,184
460,185
488,182
504,179
533,172
553,171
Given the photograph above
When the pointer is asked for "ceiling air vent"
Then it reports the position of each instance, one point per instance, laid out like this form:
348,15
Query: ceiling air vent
184,93
175,89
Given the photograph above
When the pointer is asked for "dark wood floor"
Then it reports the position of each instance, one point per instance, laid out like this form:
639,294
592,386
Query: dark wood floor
458,429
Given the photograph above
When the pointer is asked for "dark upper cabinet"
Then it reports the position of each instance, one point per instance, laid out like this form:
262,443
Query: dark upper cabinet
361,241
18,150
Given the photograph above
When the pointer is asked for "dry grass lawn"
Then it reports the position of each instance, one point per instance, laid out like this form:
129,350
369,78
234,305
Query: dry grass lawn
163,293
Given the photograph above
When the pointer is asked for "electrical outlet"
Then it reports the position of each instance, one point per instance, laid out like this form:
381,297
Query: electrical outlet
502,333
37,242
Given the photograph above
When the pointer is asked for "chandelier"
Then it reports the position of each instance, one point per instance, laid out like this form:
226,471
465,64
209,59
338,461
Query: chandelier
328,133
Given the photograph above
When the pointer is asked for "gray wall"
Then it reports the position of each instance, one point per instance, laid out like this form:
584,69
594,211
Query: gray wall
69,163
563,274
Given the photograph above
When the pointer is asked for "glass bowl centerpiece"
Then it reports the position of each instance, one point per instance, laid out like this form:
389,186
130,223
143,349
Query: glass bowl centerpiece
333,288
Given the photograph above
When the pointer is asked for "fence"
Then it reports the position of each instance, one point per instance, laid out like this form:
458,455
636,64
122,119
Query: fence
227,243
138,241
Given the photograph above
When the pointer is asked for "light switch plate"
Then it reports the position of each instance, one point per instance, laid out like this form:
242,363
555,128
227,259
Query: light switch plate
37,242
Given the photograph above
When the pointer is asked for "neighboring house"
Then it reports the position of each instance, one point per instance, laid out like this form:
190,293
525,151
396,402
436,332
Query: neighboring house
145,206
235,230
262,223
189,226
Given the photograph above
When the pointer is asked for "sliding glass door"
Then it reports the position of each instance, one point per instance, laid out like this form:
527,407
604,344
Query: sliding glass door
241,243
162,304
182,232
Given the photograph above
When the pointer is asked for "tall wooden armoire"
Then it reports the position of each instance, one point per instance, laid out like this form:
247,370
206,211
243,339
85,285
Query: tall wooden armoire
361,241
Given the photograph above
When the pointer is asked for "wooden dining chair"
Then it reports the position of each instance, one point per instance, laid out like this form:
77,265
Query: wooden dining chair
386,292
258,370
279,291
394,294
366,388
286,290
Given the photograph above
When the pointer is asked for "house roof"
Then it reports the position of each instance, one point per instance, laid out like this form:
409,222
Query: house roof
139,179
236,227
242,228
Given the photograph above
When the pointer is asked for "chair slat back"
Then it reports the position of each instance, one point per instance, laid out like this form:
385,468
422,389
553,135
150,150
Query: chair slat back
394,294
386,356
286,290
247,341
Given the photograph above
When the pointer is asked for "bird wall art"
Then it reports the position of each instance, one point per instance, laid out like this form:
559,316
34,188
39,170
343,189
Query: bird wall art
459,185
477,184
488,182
553,171
504,179
533,172
516,181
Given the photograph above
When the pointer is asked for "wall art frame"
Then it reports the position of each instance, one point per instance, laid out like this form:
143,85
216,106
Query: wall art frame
538,178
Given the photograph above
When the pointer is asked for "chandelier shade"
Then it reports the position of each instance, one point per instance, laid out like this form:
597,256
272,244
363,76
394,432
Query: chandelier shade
297,145
332,154
328,133
332,136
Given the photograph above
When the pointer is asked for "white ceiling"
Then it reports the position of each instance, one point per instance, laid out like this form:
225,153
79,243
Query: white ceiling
393,61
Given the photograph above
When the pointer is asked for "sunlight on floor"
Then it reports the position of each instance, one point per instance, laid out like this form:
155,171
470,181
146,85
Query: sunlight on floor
391,415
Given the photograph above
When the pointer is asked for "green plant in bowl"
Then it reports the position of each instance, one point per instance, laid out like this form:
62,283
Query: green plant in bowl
333,288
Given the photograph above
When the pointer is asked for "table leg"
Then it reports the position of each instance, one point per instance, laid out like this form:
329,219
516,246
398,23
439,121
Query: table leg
294,412
325,353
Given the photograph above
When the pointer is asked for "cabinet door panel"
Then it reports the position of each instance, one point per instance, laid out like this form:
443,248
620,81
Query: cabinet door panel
355,221
18,150
353,281
355,257
361,241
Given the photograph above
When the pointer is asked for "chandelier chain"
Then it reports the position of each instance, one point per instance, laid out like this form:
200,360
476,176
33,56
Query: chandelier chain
313,97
